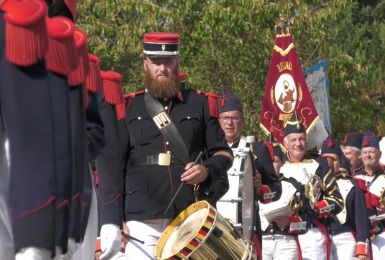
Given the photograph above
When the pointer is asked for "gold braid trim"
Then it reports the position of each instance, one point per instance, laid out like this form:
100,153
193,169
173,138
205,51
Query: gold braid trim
332,190
339,203
332,182
224,153
284,52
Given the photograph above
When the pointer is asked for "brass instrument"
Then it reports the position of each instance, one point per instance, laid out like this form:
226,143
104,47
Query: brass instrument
313,189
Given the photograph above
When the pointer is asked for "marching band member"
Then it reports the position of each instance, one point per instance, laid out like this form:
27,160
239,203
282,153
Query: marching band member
28,122
312,171
352,149
349,229
154,158
277,241
374,178
266,183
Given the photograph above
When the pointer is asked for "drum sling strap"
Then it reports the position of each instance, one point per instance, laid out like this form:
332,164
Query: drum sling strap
167,128
169,131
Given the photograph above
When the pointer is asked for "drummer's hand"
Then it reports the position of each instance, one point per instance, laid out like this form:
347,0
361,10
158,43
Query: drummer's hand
194,174
257,181
125,234
110,239
362,257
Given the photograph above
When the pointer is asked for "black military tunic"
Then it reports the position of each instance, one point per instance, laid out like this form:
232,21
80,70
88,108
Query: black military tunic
149,187
354,216
313,164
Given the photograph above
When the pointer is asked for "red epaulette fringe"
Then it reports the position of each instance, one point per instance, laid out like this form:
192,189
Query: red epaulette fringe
25,31
121,110
71,5
93,80
61,53
213,102
77,76
112,88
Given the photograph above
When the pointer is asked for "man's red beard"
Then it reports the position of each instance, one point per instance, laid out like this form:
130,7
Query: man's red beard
166,87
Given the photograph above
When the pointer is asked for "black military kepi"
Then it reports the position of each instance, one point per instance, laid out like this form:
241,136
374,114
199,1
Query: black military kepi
277,151
229,101
345,164
294,126
161,44
331,145
370,139
353,138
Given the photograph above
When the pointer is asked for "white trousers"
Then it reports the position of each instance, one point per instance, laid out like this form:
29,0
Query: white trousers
343,246
86,250
6,241
313,245
279,247
148,231
378,247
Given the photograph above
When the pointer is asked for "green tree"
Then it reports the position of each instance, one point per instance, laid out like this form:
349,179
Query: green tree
230,43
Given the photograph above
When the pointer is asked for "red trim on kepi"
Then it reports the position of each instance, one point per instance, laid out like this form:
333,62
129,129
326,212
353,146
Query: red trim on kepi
161,44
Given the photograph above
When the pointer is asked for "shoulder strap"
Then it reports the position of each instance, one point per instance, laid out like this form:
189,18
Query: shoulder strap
167,128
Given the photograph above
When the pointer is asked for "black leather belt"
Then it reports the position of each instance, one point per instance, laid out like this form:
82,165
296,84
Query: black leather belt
151,160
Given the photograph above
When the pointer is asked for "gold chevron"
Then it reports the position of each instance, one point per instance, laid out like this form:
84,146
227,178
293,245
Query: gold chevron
284,52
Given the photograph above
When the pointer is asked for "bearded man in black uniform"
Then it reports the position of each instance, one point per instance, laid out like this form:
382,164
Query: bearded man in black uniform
154,166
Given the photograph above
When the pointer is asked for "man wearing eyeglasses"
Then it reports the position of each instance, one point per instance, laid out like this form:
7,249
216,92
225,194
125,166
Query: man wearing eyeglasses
266,184
231,117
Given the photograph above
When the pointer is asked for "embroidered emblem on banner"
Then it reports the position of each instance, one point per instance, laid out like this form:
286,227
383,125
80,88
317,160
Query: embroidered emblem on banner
162,120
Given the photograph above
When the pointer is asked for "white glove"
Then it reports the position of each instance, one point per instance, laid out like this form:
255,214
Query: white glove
33,253
109,240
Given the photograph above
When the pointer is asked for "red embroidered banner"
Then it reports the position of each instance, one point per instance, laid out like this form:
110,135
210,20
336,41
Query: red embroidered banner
286,91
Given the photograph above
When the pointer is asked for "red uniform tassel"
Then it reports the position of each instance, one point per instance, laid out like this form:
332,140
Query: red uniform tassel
365,143
71,5
77,76
26,31
213,104
346,139
121,111
270,148
60,56
112,89
93,81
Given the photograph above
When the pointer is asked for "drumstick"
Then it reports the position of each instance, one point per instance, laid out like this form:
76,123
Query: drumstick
181,185
127,236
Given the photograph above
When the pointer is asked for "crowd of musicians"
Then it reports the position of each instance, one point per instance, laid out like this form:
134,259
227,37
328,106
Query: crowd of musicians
87,172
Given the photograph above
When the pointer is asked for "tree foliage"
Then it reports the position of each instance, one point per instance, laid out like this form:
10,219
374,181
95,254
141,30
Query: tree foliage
230,43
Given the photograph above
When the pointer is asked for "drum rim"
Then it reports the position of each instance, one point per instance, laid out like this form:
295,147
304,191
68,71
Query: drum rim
196,242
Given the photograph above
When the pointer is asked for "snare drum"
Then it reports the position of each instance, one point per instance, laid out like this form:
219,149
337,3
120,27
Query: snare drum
237,205
201,233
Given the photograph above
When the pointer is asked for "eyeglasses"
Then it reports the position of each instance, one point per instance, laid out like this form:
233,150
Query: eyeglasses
234,119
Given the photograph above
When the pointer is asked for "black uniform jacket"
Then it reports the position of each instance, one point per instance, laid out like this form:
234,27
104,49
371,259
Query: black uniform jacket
355,211
330,192
264,165
372,210
148,187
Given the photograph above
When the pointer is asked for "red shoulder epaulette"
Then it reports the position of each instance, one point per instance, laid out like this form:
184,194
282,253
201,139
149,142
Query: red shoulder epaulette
112,87
25,31
93,80
129,96
60,56
121,110
213,102
77,76
270,148
71,5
